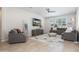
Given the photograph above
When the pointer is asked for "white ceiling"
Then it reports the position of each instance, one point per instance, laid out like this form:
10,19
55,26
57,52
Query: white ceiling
59,10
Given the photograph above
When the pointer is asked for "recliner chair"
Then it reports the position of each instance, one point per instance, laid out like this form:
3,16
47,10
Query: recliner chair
71,36
15,36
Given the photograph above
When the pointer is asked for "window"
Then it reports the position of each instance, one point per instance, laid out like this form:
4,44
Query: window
61,22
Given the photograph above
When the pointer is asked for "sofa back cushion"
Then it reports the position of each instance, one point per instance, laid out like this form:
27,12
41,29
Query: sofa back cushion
18,30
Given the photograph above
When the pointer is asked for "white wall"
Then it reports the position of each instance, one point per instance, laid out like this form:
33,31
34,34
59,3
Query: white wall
0,23
51,20
16,18
77,22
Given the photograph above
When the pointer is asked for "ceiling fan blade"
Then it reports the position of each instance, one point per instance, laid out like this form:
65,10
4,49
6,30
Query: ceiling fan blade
48,10
51,11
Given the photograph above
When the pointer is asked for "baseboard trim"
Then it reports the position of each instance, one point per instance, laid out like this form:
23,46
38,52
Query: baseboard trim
3,40
76,42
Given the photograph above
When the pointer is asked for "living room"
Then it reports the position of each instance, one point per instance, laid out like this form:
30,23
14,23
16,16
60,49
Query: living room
43,28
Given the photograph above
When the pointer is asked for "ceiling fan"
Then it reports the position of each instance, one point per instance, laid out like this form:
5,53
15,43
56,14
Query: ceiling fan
49,11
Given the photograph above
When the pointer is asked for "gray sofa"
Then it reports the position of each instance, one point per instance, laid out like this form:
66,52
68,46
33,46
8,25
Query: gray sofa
16,37
71,36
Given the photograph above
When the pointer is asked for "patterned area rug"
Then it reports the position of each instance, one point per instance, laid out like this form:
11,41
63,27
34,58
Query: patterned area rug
55,44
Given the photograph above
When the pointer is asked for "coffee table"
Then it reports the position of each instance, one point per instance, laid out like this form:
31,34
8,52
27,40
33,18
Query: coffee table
52,34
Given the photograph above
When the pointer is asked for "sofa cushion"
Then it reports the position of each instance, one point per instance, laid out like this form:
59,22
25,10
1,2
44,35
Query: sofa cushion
13,31
18,30
69,29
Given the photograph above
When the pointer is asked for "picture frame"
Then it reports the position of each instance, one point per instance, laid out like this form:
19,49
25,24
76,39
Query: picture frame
36,22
